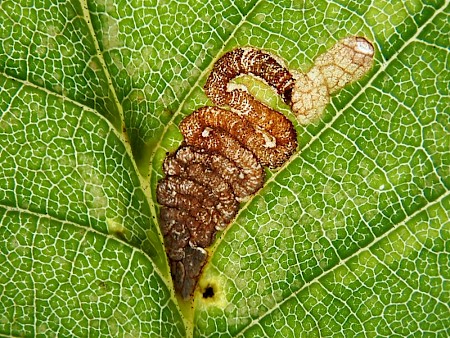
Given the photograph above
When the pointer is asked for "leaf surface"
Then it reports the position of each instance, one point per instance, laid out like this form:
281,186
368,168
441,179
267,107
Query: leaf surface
349,238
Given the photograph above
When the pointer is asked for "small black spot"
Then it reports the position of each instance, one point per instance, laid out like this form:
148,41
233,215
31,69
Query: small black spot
209,292
120,235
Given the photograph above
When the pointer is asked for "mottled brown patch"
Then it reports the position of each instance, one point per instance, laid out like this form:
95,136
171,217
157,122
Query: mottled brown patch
221,161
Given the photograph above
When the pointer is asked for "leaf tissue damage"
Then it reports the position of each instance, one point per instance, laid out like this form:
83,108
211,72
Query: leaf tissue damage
221,161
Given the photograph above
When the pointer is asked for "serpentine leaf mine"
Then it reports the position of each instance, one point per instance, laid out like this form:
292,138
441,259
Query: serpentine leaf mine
222,159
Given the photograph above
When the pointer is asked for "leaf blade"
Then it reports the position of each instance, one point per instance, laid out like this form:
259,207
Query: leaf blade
65,166
52,47
62,277
335,198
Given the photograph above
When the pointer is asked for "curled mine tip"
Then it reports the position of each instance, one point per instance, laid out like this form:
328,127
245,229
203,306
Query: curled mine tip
347,61
363,46
357,44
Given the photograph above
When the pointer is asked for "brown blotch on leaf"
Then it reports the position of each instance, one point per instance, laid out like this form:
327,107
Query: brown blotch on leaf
222,159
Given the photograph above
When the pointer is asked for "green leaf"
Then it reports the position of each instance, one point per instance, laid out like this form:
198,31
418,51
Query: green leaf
349,238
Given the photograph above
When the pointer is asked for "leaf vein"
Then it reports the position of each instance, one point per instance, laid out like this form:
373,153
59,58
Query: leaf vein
342,262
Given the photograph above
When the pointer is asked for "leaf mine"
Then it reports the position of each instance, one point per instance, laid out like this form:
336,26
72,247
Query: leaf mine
347,61
227,146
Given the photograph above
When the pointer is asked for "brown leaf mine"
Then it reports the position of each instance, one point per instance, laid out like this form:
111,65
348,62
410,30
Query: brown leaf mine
221,161
227,146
